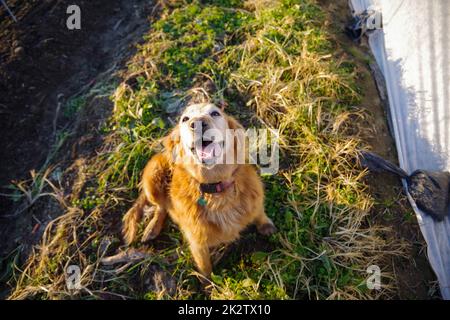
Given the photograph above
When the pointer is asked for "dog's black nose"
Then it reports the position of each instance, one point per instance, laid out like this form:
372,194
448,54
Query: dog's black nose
202,124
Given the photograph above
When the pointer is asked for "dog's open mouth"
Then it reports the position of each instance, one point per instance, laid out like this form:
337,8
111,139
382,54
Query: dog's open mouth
207,150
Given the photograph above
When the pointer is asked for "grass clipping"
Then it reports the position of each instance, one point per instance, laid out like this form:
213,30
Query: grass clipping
273,63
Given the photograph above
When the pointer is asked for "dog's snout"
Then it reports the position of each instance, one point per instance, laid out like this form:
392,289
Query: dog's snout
200,123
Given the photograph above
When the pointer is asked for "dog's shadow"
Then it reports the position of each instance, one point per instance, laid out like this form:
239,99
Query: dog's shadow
223,256
228,256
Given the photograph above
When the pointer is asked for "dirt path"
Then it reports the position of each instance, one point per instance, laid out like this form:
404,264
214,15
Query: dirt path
43,64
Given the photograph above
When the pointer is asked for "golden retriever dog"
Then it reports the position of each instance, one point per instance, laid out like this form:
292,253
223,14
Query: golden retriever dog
210,198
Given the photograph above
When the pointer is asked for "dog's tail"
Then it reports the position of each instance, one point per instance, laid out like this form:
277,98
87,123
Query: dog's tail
132,218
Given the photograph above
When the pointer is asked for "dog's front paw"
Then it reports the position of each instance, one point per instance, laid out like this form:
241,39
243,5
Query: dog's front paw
267,229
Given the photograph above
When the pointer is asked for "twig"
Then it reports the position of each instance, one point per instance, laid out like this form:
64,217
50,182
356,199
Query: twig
9,10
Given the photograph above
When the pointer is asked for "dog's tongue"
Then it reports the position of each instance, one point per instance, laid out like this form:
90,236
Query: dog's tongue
206,153
209,151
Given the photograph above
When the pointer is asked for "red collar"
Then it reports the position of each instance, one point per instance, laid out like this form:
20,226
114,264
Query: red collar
215,187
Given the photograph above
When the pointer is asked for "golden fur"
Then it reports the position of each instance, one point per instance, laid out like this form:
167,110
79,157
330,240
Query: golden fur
173,188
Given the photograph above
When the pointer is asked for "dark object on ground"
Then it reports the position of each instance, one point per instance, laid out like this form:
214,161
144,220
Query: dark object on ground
430,192
429,189
360,24
354,30
375,163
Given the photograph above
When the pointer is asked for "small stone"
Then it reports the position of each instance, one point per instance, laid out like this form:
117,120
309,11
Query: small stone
19,50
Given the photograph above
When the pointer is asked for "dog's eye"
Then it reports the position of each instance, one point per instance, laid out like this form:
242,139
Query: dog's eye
185,119
215,114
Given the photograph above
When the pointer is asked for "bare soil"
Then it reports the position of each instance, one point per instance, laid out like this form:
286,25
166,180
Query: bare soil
42,66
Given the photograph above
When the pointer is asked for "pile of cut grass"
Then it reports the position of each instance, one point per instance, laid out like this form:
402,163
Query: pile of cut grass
272,62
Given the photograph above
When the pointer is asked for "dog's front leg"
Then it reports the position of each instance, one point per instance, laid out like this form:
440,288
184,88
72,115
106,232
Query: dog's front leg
200,253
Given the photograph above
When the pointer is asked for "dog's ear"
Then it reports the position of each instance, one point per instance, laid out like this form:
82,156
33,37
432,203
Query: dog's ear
233,123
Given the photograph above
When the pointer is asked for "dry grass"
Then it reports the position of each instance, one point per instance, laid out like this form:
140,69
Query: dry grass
274,63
